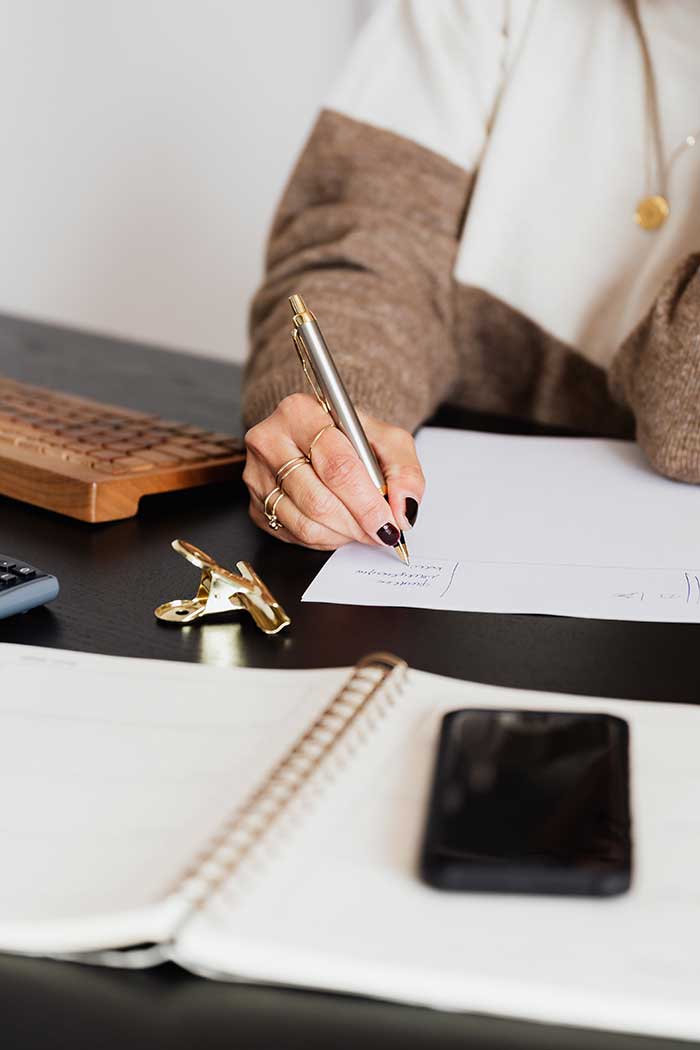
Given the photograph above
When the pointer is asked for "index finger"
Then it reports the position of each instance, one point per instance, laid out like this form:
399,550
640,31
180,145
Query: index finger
398,459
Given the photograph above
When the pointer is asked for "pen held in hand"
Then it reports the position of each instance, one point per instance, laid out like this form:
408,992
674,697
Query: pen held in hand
324,379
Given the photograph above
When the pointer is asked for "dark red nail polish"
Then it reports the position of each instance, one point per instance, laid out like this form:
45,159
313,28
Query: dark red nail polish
411,510
389,534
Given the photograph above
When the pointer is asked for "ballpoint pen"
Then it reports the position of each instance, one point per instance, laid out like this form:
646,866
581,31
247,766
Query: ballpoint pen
325,381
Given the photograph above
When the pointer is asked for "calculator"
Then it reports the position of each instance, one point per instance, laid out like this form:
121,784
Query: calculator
23,586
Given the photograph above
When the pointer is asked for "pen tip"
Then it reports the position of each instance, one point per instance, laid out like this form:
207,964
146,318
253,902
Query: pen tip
402,551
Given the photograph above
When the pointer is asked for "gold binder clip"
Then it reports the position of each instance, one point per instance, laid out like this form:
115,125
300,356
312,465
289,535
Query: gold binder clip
221,591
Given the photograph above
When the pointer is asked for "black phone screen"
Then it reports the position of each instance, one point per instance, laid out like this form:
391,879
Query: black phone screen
530,802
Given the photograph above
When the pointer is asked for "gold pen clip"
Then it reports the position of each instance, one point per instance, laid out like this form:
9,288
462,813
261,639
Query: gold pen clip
222,591
305,360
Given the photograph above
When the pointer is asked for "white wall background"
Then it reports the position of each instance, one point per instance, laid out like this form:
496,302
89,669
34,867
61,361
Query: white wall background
144,144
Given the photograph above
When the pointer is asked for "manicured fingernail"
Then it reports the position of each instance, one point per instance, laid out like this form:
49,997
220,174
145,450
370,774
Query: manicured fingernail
389,534
411,510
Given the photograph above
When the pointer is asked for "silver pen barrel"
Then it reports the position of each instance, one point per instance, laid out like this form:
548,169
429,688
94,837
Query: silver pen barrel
329,388
340,407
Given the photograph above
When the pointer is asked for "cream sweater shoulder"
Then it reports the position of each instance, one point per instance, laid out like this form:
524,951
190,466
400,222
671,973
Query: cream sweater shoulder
545,99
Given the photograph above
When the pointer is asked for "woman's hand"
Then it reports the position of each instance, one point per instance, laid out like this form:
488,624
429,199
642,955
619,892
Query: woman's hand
333,501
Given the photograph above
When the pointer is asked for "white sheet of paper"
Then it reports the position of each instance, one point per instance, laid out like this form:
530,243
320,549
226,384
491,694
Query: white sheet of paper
564,526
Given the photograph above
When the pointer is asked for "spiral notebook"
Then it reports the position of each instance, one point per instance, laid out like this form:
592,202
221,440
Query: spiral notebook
265,826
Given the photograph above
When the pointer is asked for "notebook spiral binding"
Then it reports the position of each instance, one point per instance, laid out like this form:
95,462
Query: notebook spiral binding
372,688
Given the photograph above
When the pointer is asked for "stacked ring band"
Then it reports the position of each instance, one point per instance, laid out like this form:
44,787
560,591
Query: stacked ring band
289,467
271,510
321,431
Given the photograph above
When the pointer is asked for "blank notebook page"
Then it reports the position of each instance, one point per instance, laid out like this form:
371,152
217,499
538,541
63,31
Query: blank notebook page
339,904
115,773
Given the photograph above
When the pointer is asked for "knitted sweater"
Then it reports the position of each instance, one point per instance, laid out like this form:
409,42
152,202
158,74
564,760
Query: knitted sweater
460,221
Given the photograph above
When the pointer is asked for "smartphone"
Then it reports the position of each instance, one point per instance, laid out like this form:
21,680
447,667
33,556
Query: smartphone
530,802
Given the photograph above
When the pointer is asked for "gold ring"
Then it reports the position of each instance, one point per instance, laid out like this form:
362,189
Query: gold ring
272,520
269,496
321,431
289,467
271,513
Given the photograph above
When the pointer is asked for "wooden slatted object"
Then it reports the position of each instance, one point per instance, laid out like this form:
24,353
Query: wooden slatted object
94,461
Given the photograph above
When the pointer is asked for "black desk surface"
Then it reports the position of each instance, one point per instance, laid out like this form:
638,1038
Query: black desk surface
112,577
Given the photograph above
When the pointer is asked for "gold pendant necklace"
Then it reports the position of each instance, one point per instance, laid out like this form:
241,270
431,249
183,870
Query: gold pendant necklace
652,211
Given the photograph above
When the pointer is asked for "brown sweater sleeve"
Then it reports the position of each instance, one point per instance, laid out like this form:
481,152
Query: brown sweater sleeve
367,232
656,373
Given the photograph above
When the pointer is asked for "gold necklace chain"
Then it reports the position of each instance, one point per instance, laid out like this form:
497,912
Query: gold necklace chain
653,210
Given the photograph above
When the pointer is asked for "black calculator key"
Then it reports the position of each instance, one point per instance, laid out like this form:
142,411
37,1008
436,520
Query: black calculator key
7,579
5,566
26,573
